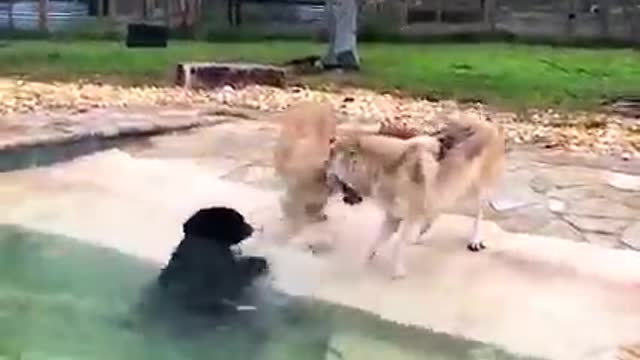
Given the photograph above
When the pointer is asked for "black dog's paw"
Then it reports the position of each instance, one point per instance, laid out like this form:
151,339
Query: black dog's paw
476,246
236,251
351,196
253,266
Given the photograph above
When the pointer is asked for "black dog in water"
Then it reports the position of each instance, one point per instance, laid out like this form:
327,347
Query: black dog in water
201,293
204,277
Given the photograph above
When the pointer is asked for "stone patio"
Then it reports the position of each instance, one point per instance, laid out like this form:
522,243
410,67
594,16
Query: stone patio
540,195
580,198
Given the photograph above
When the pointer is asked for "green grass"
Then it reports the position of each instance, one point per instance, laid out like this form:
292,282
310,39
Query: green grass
503,74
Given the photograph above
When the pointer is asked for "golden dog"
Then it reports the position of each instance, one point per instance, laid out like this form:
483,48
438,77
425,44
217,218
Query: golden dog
301,158
414,180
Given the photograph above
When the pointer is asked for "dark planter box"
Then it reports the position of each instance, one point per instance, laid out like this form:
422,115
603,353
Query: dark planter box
145,35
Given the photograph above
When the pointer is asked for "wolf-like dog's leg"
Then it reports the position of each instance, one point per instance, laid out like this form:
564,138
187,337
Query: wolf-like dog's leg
424,228
408,231
387,229
475,241
315,211
292,211
425,225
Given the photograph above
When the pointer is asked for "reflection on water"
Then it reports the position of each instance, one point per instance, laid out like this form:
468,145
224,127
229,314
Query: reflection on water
63,299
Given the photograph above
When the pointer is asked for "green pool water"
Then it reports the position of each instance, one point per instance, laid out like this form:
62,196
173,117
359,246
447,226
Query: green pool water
64,299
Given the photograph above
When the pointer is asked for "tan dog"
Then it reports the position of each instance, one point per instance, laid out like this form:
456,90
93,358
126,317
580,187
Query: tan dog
414,180
301,158
629,352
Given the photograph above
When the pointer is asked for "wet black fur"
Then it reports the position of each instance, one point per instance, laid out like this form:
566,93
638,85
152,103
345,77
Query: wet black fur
204,275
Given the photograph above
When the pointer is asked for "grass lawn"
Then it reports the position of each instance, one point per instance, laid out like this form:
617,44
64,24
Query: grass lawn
503,74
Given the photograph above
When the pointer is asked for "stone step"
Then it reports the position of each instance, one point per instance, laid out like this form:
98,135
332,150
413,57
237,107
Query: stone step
213,75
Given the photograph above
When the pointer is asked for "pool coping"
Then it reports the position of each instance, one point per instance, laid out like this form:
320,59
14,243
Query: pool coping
95,130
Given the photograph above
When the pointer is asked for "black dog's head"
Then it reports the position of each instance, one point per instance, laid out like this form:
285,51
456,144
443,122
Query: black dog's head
223,224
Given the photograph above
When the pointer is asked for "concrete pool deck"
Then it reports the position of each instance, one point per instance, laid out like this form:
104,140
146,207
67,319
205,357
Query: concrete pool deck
532,292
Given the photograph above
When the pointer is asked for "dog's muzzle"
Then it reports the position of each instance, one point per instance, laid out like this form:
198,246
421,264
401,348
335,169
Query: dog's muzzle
350,195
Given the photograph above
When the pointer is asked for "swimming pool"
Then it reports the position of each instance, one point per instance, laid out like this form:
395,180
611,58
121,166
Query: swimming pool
65,299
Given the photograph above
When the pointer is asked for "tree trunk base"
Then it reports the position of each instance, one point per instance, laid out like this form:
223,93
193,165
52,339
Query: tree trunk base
314,64
345,60
342,25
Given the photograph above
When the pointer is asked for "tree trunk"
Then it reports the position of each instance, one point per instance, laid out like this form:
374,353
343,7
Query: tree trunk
167,13
216,13
111,9
234,12
100,8
342,26
489,8
197,19
603,15
570,18
11,15
145,9
238,11
634,25
439,6
43,10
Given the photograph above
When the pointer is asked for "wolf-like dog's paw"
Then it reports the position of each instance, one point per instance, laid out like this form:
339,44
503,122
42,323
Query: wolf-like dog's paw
476,246
321,217
399,272
319,248
371,254
418,240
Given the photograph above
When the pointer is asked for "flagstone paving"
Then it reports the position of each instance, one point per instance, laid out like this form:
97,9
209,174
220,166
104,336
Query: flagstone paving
577,197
